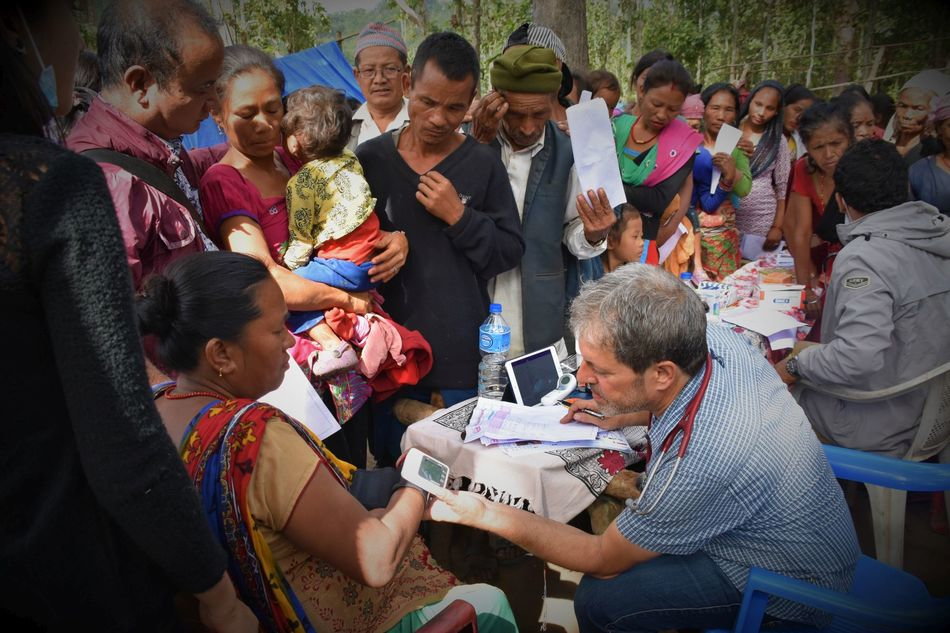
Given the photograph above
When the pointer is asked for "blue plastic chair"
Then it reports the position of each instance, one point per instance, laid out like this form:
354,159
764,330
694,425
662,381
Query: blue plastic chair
889,498
881,598
887,472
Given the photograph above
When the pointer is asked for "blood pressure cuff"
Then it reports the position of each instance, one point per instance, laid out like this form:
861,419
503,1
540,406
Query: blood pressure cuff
373,488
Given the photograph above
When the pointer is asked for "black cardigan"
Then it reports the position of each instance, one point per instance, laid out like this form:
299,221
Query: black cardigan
442,291
99,522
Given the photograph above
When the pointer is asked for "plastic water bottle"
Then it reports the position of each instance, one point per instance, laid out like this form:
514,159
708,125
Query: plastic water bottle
687,278
494,341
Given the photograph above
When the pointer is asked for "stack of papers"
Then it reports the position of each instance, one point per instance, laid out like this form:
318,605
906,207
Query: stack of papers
496,422
520,430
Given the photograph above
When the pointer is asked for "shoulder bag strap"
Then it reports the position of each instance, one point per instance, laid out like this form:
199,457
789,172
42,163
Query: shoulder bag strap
149,173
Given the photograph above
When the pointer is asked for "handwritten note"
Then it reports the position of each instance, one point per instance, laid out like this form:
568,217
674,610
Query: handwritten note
595,153
726,142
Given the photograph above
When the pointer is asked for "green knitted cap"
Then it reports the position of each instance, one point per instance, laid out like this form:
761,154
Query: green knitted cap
526,69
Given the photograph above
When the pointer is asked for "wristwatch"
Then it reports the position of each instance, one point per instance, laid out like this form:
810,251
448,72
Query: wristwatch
791,366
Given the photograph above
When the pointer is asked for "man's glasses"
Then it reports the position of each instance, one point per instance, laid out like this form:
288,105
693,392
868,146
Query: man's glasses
388,72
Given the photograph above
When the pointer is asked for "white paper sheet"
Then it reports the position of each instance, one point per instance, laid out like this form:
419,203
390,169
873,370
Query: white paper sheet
605,440
751,246
497,420
761,320
595,154
671,243
297,398
726,141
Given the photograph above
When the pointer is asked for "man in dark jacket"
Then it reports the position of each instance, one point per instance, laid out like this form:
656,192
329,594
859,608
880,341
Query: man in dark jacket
515,120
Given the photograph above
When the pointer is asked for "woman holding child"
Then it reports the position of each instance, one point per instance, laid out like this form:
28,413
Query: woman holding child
244,201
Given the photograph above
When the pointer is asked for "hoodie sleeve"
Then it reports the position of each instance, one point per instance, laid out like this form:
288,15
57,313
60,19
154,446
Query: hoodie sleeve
861,308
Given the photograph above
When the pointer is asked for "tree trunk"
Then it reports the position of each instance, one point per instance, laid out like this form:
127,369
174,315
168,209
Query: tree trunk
811,48
477,17
567,18
844,40
734,42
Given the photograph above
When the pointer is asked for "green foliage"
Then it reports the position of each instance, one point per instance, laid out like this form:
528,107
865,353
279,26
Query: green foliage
716,40
276,26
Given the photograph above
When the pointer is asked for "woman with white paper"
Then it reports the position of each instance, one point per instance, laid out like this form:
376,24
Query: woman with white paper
656,151
713,200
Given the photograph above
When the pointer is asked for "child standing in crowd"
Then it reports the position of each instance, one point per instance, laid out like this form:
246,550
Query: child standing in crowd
333,232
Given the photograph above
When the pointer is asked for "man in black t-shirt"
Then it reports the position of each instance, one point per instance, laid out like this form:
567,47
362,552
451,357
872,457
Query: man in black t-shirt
452,198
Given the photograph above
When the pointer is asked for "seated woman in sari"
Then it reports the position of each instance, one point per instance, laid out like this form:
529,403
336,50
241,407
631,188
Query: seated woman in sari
656,152
717,215
303,552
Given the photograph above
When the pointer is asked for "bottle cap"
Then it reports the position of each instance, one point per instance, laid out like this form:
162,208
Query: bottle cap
494,308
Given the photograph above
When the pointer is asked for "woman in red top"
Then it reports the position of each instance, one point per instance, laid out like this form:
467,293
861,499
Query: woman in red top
243,194
243,202
813,215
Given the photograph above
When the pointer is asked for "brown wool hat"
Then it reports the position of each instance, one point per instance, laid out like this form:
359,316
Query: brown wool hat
526,69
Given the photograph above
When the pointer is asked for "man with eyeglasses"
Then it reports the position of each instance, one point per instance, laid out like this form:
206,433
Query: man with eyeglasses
382,73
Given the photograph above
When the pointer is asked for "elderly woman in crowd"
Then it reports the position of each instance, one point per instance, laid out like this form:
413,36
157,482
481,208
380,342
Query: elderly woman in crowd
930,176
717,216
762,212
914,103
244,202
813,214
268,484
656,151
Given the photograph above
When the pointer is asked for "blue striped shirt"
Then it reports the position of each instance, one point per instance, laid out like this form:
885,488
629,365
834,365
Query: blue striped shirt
754,489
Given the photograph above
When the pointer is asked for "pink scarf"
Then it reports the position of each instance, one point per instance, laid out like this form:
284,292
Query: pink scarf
677,143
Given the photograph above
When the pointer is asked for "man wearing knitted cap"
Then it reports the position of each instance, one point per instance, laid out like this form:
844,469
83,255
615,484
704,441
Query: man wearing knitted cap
382,71
540,167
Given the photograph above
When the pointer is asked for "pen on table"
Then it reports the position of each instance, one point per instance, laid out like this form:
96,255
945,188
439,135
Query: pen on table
590,412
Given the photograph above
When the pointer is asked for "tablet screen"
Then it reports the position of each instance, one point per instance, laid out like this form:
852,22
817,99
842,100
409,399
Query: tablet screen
536,375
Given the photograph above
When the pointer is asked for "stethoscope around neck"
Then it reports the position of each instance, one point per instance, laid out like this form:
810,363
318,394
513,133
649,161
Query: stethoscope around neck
684,426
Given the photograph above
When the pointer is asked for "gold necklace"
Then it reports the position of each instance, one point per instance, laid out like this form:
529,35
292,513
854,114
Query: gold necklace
819,185
634,136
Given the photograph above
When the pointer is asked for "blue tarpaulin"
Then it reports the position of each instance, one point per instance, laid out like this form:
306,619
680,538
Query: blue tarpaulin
322,65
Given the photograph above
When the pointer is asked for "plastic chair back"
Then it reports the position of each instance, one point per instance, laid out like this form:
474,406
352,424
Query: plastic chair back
933,434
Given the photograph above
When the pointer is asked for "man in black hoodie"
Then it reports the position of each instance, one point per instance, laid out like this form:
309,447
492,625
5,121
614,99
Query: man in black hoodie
451,197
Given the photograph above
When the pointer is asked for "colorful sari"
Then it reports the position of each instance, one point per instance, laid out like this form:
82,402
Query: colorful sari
287,588
675,145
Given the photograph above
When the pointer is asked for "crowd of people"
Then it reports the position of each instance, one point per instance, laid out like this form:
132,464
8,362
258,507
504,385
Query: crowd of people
154,294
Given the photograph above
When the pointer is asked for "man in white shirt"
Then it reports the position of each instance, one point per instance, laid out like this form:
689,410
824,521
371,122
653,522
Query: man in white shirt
515,118
382,72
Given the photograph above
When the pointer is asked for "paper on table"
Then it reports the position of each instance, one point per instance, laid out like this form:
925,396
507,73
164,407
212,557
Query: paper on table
751,246
671,243
726,141
497,420
605,440
595,154
761,320
783,340
297,398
